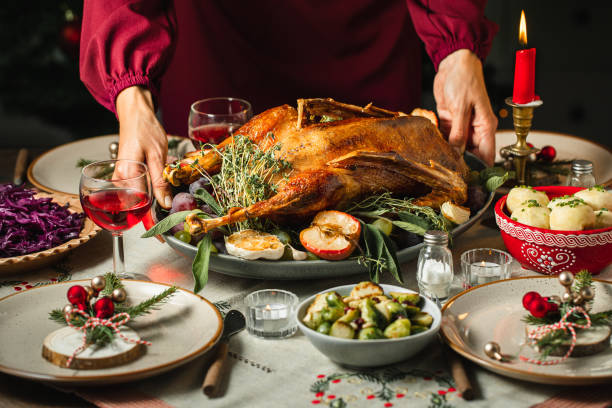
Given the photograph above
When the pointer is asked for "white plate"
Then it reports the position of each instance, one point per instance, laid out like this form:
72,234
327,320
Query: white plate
568,147
56,170
182,329
493,312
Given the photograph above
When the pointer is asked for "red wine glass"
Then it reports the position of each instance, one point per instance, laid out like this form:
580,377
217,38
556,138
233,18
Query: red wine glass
215,119
116,195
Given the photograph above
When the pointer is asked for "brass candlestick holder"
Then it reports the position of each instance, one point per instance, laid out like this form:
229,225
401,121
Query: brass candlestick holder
522,115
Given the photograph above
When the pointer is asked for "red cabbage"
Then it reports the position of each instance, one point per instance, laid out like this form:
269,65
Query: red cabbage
29,224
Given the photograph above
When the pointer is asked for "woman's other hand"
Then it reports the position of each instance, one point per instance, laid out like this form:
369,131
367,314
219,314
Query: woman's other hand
463,105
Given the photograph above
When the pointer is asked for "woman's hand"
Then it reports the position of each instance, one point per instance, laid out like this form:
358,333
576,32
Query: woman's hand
142,137
463,105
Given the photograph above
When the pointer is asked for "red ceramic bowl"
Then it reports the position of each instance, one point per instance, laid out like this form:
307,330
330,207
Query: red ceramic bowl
549,251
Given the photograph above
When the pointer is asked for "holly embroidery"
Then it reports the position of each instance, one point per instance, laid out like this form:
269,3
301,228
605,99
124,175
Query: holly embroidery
385,392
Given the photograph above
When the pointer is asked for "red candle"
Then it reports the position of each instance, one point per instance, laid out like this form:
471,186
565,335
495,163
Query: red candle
524,69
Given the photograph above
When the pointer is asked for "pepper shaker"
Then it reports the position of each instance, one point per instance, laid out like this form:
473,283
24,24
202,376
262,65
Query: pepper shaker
582,174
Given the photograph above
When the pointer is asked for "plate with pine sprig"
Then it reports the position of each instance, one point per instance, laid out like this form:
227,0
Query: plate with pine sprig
28,317
499,312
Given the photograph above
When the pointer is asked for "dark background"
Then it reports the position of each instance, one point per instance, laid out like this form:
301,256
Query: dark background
43,103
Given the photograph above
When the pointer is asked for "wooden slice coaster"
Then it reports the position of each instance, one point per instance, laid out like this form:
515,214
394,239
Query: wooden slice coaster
59,345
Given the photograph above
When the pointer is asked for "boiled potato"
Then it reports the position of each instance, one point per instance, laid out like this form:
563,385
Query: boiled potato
596,197
518,195
573,216
603,219
534,216
559,201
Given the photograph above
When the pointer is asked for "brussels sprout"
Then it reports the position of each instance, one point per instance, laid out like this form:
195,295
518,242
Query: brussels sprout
382,308
350,315
370,333
422,319
418,329
399,328
342,330
411,310
331,314
412,298
313,315
333,299
395,310
370,314
324,328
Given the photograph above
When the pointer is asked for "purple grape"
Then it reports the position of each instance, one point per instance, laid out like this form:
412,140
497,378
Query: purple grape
183,202
220,245
477,197
200,183
208,210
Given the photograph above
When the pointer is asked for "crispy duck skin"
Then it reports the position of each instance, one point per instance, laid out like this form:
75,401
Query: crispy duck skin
371,150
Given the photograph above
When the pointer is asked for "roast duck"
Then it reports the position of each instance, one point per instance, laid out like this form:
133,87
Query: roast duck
364,151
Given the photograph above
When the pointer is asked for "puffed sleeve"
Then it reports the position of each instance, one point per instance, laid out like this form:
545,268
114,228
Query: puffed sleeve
125,43
448,25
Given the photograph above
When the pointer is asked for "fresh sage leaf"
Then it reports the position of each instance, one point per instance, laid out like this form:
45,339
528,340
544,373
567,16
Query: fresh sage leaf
416,220
493,183
410,227
380,253
166,224
205,196
199,267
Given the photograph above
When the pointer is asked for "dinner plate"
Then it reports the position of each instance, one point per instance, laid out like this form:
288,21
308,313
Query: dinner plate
56,170
183,328
493,312
568,147
319,269
37,260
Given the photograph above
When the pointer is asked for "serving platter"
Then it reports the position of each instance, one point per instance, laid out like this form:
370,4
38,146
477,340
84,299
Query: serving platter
186,327
56,170
568,147
318,269
37,260
493,312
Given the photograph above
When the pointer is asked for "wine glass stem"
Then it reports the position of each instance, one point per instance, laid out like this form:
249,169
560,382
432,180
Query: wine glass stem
118,257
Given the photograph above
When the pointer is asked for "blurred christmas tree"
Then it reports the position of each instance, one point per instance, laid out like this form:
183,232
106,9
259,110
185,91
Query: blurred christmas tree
39,68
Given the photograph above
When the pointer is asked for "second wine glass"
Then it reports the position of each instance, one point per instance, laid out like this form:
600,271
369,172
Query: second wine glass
116,195
213,120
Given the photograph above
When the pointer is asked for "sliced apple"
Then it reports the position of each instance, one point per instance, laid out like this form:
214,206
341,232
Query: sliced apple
333,235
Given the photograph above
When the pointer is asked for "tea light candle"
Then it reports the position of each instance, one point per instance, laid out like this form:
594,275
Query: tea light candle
271,313
484,265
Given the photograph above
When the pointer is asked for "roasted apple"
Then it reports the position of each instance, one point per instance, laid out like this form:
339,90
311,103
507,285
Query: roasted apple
333,235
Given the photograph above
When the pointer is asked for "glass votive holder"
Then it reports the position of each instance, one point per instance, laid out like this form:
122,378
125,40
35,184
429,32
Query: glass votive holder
270,313
484,265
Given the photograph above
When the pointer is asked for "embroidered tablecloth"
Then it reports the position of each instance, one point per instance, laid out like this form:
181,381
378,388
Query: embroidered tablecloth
283,373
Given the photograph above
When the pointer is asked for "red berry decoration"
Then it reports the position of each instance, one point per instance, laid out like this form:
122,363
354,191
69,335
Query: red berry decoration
539,308
529,297
77,295
548,153
104,308
551,306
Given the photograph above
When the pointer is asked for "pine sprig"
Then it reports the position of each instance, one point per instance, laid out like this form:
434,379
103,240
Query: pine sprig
148,305
112,282
582,279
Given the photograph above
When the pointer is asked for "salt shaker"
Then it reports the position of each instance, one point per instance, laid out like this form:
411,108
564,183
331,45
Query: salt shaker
582,174
435,266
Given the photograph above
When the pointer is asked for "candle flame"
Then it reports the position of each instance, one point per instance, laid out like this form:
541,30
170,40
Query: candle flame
523,29
483,263
268,307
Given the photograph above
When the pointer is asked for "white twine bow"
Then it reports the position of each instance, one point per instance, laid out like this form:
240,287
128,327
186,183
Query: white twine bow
113,323
539,332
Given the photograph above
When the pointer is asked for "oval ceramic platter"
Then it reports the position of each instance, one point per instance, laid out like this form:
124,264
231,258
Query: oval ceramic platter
493,312
568,148
56,170
183,328
319,269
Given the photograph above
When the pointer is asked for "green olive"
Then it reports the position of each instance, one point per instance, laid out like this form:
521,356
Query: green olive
384,225
183,236
213,249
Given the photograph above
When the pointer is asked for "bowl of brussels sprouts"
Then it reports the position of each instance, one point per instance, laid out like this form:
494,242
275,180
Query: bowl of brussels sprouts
367,324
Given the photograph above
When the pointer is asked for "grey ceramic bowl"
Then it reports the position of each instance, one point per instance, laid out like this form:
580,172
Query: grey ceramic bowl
289,270
369,353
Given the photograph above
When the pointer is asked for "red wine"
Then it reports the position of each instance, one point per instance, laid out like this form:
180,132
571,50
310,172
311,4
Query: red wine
116,210
214,133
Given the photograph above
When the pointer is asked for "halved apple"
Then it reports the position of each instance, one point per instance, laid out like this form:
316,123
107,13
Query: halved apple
333,235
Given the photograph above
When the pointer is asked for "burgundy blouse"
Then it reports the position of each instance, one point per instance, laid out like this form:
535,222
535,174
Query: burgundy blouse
271,52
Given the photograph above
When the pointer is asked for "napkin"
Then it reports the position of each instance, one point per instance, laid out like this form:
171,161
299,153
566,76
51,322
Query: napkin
579,397
120,397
